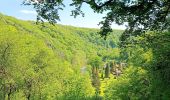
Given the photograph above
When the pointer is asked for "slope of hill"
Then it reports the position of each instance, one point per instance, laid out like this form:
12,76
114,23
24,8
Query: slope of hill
49,62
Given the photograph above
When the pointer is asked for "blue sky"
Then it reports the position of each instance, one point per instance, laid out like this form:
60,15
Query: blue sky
91,19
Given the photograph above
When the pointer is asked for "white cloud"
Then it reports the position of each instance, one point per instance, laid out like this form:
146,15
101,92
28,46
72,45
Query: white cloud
28,12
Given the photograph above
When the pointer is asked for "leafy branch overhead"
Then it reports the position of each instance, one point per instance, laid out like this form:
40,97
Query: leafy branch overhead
141,15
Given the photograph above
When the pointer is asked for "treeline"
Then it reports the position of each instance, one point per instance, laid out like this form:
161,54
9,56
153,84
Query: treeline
46,62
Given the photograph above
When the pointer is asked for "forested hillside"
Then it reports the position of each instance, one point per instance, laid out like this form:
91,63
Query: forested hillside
50,61
58,62
148,74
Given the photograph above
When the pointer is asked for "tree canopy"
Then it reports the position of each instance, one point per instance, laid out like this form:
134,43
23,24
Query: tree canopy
50,62
141,15
68,63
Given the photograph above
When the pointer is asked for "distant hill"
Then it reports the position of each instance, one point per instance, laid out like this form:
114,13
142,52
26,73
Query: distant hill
63,39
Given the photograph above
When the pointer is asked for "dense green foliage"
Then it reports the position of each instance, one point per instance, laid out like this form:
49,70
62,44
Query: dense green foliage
148,75
130,86
48,62
69,63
